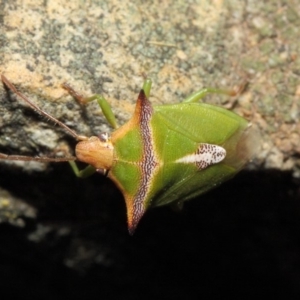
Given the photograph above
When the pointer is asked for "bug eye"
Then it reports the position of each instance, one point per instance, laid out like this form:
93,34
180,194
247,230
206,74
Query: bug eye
103,137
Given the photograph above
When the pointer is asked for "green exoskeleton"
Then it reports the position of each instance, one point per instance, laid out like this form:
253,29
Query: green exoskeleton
164,154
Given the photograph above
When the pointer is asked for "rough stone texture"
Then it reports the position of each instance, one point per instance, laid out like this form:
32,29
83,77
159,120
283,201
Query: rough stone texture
54,223
109,47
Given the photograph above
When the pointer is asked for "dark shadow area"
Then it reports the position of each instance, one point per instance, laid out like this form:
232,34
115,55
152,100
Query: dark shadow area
242,239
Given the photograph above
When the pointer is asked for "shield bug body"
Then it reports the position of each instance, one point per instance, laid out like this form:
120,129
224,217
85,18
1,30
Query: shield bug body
164,154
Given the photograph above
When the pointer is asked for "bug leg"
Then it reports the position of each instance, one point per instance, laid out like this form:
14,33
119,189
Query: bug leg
205,91
86,172
104,105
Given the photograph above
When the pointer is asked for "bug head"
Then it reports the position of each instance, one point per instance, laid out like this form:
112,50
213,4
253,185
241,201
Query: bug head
96,151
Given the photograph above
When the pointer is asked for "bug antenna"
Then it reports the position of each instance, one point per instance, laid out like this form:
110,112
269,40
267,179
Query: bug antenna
71,132
40,159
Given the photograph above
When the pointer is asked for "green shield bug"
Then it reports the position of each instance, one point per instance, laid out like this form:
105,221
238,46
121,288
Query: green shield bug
164,154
